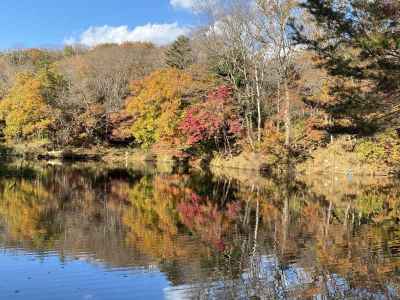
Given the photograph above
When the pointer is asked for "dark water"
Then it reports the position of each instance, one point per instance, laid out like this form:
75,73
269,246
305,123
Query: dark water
94,232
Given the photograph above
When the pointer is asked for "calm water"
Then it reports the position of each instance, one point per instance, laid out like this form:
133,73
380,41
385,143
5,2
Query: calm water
93,232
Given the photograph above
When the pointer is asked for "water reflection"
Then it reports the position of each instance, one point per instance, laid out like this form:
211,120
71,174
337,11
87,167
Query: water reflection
228,236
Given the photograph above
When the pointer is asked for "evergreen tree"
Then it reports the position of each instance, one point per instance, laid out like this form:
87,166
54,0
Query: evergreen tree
179,55
358,42
357,38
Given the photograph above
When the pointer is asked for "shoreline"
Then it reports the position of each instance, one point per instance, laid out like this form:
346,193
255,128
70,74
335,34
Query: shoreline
244,162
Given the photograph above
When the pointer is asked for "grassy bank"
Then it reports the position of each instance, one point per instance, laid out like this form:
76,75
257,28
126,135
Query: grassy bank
377,156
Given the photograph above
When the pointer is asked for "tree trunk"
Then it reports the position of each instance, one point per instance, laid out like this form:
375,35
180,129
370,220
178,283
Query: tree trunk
259,121
288,120
278,106
248,129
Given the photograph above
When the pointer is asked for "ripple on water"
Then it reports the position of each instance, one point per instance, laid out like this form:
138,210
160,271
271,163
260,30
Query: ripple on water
81,233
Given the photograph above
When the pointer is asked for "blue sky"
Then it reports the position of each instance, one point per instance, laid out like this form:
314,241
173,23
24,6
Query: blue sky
41,23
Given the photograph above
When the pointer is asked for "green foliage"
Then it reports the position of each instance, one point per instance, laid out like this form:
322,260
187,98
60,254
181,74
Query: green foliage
53,83
385,147
358,42
358,38
179,55
370,204
68,51
371,151
144,130
36,58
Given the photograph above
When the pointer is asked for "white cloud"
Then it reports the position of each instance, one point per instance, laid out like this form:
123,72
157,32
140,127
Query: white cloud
160,34
185,4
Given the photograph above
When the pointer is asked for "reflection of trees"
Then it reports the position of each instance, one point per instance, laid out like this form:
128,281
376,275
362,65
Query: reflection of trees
217,237
308,243
75,211
176,226
26,208
152,221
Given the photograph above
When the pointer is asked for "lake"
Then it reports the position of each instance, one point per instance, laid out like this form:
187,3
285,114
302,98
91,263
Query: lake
91,231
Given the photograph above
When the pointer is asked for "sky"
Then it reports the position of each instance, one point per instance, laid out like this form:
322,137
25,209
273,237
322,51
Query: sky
54,23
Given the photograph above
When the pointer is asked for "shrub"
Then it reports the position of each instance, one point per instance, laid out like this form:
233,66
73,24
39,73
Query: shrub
385,147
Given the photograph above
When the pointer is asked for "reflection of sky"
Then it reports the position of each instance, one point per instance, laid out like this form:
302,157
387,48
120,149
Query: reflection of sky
34,278
294,280
293,275
26,276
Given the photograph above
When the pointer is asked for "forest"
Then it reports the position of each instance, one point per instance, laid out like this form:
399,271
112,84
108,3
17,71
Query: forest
260,82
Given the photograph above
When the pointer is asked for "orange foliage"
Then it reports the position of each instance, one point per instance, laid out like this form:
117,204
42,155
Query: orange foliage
24,110
156,103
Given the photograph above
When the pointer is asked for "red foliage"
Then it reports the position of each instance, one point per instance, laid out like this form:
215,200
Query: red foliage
207,120
222,93
190,209
234,126
233,210
204,217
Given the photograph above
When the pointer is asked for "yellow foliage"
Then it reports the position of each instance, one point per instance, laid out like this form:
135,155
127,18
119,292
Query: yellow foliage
24,110
152,220
323,95
24,208
156,103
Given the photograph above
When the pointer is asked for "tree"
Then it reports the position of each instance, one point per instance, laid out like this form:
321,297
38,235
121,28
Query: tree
357,38
97,86
273,32
156,104
211,123
25,110
102,75
179,55
359,43
234,55
15,62
252,49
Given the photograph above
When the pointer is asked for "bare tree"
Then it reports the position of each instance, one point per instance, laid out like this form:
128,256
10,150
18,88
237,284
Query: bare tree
250,44
98,83
236,55
273,31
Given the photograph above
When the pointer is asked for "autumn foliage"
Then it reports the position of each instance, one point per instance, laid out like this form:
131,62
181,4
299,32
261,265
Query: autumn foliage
25,111
156,104
211,121
167,109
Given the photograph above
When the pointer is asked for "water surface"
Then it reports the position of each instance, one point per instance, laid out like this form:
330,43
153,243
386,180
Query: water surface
89,231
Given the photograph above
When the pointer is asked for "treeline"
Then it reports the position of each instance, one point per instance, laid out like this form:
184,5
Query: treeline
270,76
67,96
